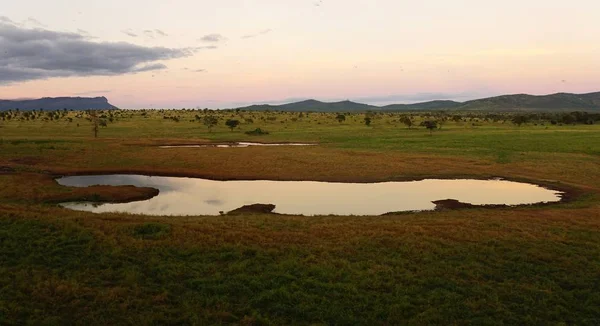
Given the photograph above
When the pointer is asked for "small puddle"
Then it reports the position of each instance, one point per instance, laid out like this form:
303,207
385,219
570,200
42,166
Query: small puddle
236,145
191,196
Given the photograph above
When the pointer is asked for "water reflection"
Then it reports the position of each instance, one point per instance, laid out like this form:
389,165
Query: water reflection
190,196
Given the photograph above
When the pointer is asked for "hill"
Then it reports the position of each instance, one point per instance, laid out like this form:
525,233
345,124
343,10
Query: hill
59,103
517,102
431,105
559,101
315,106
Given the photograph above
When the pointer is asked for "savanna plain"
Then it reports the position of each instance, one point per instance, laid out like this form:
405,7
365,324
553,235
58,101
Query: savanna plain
525,265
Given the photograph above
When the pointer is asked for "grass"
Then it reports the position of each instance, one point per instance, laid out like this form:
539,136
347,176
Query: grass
524,265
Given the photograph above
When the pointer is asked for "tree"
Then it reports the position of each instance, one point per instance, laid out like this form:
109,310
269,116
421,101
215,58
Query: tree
367,121
340,118
429,124
232,124
407,121
95,122
210,121
519,120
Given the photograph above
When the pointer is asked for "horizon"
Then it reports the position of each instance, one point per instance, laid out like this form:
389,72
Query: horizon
192,55
292,101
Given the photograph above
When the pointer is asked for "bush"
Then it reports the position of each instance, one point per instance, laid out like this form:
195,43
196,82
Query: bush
257,132
151,230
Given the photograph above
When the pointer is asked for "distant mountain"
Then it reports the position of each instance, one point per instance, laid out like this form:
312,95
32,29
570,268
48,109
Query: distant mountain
518,102
431,105
314,106
58,103
559,101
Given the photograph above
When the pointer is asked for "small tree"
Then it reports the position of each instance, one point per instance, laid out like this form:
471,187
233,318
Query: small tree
429,124
367,121
95,122
340,118
210,121
519,120
232,124
407,121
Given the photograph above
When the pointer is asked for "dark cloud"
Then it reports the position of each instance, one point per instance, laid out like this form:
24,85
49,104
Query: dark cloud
213,38
263,32
28,54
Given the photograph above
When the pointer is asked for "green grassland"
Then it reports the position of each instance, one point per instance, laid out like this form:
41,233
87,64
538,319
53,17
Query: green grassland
523,265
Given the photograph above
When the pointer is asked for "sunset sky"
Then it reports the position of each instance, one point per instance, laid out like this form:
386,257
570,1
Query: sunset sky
227,53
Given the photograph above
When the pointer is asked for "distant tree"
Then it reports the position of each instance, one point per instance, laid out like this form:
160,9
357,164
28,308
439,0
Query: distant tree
367,121
95,122
340,118
232,124
407,121
441,122
430,124
519,120
568,119
210,121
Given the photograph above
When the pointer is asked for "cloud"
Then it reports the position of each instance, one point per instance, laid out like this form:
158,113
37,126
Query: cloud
161,33
263,32
195,70
104,91
30,54
148,33
209,47
6,20
129,33
150,67
213,38
35,22
152,34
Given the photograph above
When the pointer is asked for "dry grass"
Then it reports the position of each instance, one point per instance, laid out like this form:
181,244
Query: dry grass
524,265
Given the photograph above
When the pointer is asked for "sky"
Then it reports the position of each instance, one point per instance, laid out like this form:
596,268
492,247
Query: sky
230,53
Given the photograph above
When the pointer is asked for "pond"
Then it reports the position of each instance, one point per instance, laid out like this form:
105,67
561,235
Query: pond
236,145
192,196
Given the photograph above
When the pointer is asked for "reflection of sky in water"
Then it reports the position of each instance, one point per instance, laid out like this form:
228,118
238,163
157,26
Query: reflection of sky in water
189,196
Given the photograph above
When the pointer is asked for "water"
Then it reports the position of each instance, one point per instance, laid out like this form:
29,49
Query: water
237,145
190,196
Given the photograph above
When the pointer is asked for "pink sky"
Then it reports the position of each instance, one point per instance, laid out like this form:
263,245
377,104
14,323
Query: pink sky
370,51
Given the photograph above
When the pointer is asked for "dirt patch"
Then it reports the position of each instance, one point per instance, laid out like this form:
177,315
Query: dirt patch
106,194
42,188
253,209
27,160
451,204
6,170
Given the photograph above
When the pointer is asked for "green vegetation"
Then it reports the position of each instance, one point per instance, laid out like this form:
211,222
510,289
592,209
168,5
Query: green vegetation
522,265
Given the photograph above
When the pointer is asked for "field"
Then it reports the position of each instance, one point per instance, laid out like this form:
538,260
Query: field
521,265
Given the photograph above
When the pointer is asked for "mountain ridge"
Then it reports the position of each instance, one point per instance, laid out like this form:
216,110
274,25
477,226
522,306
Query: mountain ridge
511,102
58,103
